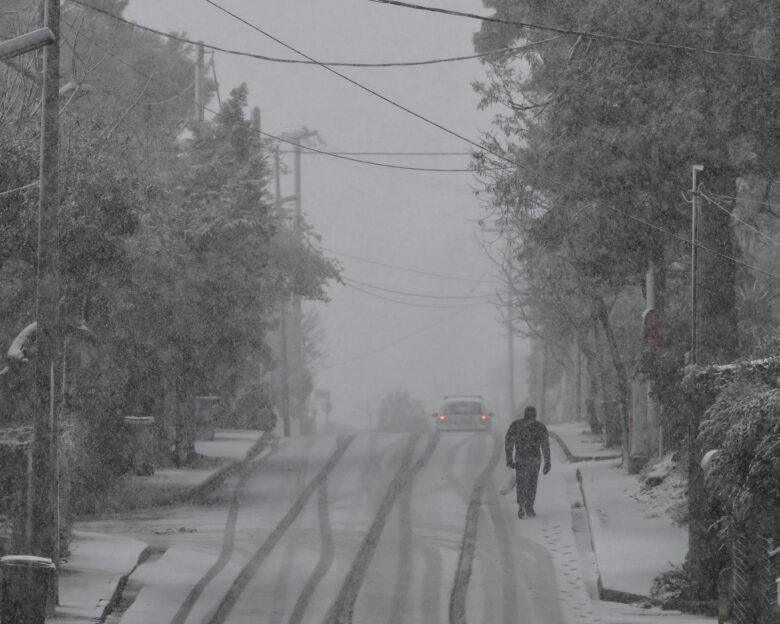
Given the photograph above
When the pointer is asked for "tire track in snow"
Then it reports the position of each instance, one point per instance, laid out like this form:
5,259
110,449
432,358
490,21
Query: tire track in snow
449,469
403,578
228,540
502,538
469,542
281,589
222,610
343,608
323,563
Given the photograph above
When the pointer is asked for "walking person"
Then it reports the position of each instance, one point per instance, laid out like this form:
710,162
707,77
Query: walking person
526,442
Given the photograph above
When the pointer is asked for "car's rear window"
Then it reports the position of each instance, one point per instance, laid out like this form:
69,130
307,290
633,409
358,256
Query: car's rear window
462,407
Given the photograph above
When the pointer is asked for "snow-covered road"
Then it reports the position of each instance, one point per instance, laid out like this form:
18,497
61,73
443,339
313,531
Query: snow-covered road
369,528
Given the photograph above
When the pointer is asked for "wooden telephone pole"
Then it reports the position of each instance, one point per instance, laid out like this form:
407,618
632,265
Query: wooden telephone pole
44,478
294,329
697,523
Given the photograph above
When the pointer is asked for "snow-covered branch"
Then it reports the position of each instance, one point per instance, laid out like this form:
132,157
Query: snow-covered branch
16,350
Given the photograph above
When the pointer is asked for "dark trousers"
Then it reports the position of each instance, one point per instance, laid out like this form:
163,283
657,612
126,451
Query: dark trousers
527,474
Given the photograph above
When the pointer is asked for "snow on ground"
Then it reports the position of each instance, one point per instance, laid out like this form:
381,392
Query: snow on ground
666,498
634,537
92,570
233,443
616,613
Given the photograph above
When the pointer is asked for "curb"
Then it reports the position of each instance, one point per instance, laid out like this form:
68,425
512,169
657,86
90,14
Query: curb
606,594
562,444
599,584
573,459
203,489
119,590
224,472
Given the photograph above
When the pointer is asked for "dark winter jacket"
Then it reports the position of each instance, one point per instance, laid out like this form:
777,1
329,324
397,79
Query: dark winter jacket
524,438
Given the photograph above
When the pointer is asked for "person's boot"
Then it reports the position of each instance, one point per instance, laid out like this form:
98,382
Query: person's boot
530,512
521,512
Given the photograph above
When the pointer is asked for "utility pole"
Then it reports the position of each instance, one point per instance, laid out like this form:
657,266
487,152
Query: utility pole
695,217
697,527
44,537
256,120
498,228
285,399
578,382
295,359
510,329
541,406
200,100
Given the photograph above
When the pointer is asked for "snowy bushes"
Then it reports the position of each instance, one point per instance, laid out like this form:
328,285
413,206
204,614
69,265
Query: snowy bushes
744,423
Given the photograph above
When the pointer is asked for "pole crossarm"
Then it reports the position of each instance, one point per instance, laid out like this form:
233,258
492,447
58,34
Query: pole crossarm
26,43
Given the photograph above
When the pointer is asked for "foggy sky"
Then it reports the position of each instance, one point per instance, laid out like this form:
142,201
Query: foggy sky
419,220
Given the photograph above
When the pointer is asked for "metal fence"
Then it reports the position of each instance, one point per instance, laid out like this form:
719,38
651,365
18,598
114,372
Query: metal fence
756,566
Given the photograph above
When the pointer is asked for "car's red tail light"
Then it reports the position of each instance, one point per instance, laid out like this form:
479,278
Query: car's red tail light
441,416
484,416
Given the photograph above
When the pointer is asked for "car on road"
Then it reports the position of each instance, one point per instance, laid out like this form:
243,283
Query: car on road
463,412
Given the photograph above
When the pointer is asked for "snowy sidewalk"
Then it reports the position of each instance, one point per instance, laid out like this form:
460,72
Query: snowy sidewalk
632,536
98,563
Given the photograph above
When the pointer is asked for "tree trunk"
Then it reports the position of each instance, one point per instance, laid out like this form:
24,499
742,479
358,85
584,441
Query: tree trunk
621,374
593,386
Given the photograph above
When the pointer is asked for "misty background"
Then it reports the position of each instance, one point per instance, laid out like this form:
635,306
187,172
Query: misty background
417,223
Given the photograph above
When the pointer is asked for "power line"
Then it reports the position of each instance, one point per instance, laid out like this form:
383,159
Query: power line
101,45
263,57
343,156
363,161
749,201
583,33
736,218
422,330
412,304
171,98
457,135
411,294
410,270
359,85
391,153
485,149
19,188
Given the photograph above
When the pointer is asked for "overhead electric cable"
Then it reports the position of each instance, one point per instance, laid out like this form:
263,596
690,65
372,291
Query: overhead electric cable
411,294
738,220
389,153
362,161
18,189
486,149
749,201
263,57
101,45
410,270
171,98
399,340
478,146
582,33
410,303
